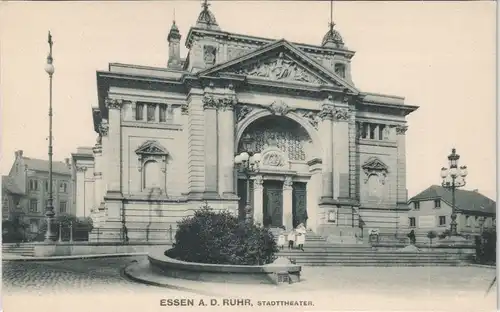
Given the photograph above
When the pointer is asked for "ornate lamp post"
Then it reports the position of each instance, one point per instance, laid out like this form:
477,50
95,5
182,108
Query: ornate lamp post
49,213
453,178
247,162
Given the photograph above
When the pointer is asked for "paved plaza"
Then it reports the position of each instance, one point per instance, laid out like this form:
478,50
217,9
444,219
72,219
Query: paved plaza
99,283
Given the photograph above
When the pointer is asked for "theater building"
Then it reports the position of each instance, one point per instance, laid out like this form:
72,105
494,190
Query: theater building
332,156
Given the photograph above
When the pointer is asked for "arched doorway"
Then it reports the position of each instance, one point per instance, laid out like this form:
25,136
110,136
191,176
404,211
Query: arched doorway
288,145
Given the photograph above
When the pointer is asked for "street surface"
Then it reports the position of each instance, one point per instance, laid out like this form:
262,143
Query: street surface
88,284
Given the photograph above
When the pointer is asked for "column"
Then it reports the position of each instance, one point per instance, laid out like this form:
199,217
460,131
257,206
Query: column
98,185
288,203
326,130
114,157
341,153
313,194
103,130
401,165
210,104
258,200
226,145
80,183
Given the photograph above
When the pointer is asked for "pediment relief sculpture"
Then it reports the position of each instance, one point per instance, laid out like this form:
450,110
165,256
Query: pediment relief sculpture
281,69
273,157
374,166
151,147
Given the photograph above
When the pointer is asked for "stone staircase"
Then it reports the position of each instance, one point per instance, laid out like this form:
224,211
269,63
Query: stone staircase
24,250
319,252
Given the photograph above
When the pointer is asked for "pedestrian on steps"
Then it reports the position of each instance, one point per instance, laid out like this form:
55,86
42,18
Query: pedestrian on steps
291,239
281,240
301,238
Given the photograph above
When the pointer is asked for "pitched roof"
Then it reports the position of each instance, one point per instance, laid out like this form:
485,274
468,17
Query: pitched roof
10,186
43,165
464,200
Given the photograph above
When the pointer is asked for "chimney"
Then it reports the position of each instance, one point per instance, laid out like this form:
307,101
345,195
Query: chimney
174,47
19,153
68,164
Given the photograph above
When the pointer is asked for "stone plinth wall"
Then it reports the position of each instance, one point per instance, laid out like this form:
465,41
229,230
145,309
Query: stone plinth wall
222,273
83,249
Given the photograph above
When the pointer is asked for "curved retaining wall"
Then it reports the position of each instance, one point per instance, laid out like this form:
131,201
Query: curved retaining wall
222,273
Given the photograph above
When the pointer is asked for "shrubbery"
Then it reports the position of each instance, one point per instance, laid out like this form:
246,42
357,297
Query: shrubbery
81,228
219,238
486,247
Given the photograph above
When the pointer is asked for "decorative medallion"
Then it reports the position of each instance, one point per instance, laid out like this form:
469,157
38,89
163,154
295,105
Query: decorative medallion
279,108
81,168
281,69
273,159
242,111
374,166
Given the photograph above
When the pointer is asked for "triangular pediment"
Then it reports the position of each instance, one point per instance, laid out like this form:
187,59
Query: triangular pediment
280,61
375,164
151,147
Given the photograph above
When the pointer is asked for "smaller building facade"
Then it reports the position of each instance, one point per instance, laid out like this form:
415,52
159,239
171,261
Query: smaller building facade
27,190
82,167
431,210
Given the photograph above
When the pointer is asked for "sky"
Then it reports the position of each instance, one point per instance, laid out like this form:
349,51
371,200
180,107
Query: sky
439,55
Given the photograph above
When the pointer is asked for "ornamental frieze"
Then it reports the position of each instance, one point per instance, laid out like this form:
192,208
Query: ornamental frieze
242,111
184,109
279,108
341,114
327,112
215,102
311,117
401,129
103,128
280,69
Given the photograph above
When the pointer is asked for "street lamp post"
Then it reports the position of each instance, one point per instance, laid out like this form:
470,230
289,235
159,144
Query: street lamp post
453,178
247,162
49,213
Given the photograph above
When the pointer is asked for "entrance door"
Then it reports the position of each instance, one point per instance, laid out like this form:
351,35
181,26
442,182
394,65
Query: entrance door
299,204
273,203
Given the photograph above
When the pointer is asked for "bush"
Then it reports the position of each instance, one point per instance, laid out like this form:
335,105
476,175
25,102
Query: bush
219,238
14,231
486,247
81,228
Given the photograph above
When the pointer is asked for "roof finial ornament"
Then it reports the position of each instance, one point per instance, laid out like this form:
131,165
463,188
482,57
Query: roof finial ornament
174,16
332,38
206,19
205,5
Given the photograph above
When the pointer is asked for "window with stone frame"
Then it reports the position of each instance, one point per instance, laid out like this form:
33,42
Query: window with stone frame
437,203
63,187
416,205
152,157
163,113
468,221
139,111
412,221
33,205
63,207
151,112
33,185
442,220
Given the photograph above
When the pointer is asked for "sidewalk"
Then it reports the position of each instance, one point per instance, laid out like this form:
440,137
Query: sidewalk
15,257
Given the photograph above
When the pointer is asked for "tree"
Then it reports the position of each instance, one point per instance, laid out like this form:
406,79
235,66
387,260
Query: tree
14,230
431,235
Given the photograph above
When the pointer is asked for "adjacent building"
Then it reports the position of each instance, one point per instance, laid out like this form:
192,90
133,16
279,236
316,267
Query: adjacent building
332,156
431,210
27,189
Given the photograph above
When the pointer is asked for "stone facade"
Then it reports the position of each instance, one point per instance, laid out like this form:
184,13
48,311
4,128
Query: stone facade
167,138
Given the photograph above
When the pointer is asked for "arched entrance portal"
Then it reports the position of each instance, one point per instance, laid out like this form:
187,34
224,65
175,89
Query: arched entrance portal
278,192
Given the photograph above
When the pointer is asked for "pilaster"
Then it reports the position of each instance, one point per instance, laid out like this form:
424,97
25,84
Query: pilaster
326,132
80,182
288,203
402,197
226,139
104,131
114,157
211,146
313,193
196,144
341,153
98,185
353,158
258,200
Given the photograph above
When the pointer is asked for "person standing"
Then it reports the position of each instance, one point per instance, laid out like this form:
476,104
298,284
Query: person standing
291,239
281,240
301,238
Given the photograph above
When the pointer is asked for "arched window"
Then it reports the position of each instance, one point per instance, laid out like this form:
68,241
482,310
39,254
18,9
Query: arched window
152,174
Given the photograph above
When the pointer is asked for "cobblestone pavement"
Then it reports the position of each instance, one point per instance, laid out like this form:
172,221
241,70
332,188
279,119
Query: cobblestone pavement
69,275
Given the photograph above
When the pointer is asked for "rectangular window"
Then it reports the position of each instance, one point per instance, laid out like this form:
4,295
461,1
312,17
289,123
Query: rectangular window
437,203
412,222
46,184
364,130
151,112
33,205
467,221
163,113
381,132
139,111
442,220
34,225
62,207
34,185
416,205
372,132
